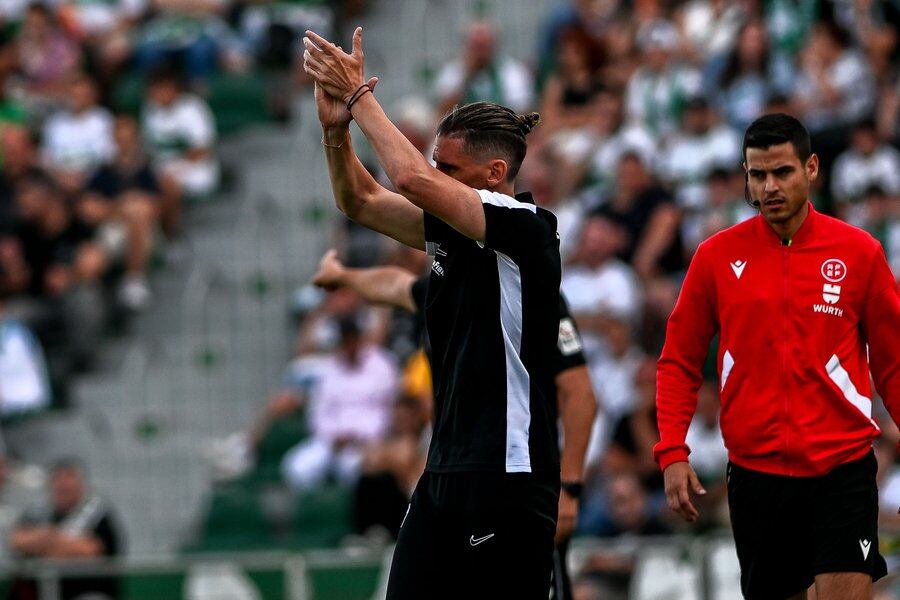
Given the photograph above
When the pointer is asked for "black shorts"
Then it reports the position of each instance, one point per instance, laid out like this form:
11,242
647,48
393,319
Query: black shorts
477,535
789,529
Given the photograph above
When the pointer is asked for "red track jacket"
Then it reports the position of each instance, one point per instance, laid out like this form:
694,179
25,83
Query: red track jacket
793,323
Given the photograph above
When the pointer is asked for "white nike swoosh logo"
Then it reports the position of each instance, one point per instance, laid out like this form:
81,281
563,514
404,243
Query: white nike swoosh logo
475,541
865,546
738,267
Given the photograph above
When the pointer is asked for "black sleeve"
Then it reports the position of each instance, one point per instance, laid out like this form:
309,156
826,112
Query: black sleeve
569,349
436,231
418,291
515,228
106,532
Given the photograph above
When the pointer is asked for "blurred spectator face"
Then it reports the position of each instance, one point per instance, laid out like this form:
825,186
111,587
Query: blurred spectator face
18,150
351,338
878,205
82,94
37,23
67,488
608,105
627,501
538,175
658,42
631,177
34,200
780,104
618,336
407,416
8,58
164,91
779,181
697,117
751,45
865,138
601,240
416,122
342,301
719,187
578,51
570,57
825,43
480,42
619,40
127,134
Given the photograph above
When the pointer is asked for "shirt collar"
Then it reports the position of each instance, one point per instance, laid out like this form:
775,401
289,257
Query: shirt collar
525,197
803,234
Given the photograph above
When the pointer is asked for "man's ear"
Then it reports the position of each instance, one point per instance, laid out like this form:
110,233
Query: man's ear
812,167
497,174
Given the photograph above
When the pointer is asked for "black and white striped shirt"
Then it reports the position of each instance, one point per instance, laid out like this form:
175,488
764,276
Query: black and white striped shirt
492,313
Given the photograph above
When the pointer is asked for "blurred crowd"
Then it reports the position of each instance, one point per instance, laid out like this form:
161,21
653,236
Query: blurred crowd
92,188
638,154
91,197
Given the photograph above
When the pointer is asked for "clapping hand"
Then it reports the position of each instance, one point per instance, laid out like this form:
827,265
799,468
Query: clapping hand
336,72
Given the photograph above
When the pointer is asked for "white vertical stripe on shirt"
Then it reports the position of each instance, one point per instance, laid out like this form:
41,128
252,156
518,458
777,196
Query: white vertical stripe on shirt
841,378
518,381
727,365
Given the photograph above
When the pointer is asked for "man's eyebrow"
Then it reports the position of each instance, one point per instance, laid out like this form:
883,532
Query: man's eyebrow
778,169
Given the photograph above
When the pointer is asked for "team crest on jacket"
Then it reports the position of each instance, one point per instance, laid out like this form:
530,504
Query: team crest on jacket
833,271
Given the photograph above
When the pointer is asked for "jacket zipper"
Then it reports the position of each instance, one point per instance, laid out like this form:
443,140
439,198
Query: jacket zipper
785,322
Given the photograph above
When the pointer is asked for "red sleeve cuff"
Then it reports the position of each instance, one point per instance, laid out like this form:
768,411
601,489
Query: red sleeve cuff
666,457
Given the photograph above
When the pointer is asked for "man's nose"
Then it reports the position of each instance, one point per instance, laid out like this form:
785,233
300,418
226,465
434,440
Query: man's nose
771,184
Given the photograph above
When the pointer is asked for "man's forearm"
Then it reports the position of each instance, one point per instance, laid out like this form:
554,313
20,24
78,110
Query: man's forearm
399,158
351,183
389,286
577,407
64,545
31,541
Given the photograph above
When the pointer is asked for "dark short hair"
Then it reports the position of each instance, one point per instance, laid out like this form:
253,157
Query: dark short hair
774,129
489,130
166,73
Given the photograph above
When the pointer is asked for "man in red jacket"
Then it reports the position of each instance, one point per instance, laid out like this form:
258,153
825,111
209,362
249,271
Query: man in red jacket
796,297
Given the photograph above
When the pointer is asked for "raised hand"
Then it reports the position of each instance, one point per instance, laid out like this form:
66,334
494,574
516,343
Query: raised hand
338,73
330,271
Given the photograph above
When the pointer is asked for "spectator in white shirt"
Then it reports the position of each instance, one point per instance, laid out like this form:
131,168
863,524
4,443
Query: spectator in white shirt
24,385
78,140
181,131
598,285
693,152
835,87
610,138
483,75
866,163
350,408
657,90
